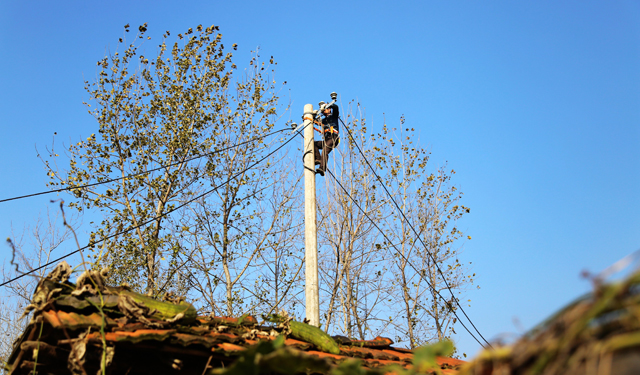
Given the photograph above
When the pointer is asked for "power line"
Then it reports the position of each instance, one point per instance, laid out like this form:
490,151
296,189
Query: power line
155,218
414,231
410,264
141,173
405,258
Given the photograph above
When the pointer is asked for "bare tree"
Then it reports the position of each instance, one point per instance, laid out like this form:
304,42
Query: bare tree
352,261
249,222
279,275
385,277
30,249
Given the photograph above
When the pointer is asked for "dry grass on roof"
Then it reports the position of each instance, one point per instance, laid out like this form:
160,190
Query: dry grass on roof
597,334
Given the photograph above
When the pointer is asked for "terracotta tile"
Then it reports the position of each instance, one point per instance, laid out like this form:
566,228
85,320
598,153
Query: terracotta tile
449,361
400,354
223,346
228,347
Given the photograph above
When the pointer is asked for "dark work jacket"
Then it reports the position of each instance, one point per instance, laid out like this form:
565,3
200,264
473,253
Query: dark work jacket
332,119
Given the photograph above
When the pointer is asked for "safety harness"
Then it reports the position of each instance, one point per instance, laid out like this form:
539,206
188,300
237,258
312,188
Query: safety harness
329,129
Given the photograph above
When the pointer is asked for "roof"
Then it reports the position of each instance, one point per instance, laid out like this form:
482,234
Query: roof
79,328
598,333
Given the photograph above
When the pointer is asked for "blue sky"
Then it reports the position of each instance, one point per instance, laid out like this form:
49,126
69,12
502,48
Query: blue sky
536,105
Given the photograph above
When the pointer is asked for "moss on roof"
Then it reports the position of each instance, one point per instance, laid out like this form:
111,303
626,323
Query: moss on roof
89,328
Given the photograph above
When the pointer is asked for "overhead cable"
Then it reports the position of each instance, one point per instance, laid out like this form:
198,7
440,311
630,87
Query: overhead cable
143,172
405,258
413,229
432,287
152,219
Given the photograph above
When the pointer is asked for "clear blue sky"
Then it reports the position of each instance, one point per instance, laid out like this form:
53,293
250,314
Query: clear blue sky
535,104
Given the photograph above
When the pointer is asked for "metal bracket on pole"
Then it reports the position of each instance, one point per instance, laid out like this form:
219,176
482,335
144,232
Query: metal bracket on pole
294,128
322,105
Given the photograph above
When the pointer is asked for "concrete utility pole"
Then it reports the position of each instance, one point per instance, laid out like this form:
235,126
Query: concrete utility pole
312,293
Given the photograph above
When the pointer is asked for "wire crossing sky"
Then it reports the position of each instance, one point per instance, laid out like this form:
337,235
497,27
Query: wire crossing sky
535,105
140,173
151,220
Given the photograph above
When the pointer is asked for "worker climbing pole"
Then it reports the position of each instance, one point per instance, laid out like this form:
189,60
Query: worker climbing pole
329,130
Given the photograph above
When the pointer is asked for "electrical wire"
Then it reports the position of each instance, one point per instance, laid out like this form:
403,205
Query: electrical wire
404,257
407,261
141,173
155,218
414,231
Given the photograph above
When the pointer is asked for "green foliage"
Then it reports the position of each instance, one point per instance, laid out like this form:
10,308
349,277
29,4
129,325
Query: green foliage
272,357
161,110
354,367
424,357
